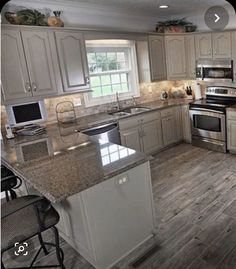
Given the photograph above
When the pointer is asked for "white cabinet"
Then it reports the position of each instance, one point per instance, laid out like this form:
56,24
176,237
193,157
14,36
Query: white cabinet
178,123
152,136
231,130
221,45
30,66
233,47
142,132
157,57
15,77
191,56
186,124
168,126
176,57
203,43
130,138
73,60
41,64
107,221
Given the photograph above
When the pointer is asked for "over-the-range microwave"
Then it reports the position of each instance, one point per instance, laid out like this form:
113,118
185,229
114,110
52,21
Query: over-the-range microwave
215,70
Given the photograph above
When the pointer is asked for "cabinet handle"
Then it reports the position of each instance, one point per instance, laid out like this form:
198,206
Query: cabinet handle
27,87
34,86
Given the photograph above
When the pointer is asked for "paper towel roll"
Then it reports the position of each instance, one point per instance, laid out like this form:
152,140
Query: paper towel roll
198,91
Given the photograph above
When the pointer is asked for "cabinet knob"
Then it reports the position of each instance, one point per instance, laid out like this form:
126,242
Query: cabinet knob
34,86
27,87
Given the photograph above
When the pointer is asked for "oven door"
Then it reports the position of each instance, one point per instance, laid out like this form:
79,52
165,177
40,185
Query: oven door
208,123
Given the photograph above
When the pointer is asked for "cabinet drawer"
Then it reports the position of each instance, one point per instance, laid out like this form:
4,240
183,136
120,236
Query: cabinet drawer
231,115
167,113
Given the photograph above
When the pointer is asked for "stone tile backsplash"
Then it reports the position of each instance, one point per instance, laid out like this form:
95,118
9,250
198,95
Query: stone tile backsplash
148,92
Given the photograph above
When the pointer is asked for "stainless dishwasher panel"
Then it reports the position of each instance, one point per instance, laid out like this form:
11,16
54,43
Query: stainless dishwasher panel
107,132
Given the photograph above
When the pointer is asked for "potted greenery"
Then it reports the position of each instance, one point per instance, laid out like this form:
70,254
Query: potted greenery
175,26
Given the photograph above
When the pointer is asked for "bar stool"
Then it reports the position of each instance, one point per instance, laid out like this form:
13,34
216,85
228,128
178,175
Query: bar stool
9,182
26,217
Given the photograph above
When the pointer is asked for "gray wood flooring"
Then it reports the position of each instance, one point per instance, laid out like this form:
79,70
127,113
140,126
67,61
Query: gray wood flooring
195,201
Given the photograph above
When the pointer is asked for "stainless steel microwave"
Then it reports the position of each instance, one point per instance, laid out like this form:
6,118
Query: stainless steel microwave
215,70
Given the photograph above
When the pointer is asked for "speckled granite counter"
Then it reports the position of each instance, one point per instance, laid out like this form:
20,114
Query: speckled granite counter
63,162
103,118
232,108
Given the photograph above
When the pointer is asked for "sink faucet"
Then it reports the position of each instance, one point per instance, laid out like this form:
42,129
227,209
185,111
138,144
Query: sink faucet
118,101
134,101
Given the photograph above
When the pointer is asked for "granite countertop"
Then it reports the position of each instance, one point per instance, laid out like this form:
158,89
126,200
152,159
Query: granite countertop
103,118
63,162
232,108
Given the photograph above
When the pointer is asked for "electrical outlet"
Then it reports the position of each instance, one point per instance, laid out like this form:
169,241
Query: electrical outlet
77,101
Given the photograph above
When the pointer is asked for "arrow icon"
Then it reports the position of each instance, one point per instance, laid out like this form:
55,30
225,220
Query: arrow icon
217,18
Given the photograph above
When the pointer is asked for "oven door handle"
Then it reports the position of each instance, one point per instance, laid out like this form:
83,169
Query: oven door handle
206,110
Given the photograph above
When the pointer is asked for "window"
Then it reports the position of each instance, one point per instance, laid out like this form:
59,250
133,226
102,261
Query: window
112,69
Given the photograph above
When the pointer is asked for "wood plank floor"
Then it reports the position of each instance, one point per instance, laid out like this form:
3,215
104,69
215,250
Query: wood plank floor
195,201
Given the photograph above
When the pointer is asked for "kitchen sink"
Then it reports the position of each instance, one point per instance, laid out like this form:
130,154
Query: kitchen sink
120,113
134,110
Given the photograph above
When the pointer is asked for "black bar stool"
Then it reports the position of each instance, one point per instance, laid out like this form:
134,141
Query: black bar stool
26,217
9,182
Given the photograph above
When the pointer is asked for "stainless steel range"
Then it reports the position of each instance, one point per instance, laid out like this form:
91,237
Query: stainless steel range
208,118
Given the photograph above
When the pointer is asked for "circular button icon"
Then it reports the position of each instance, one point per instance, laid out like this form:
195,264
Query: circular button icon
216,18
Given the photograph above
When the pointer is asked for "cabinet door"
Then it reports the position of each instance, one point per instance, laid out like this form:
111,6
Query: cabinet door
186,124
40,62
73,60
15,78
152,136
203,44
221,45
231,130
157,57
176,57
191,56
130,138
233,47
168,130
178,123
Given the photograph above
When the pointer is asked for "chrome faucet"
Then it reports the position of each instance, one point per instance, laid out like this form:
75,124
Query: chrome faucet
118,101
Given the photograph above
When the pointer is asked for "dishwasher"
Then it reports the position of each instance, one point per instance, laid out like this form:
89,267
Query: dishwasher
107,132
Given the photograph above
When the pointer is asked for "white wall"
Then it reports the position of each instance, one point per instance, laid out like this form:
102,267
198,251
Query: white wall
87,16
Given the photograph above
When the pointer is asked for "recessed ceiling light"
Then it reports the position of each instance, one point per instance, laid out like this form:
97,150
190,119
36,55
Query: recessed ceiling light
163,6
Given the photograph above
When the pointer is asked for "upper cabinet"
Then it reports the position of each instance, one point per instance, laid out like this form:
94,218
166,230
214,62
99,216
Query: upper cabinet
233,47
203,43
221,45
30,66
157,57
42,66
15,76
73,60
191,56
176,57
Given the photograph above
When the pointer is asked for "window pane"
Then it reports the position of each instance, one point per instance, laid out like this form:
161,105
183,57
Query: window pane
111,56
120,56
124,77
115,79
101,60
106,90
95,81
116,88
92,68
97,91
91,57
122,66
105,80
125,87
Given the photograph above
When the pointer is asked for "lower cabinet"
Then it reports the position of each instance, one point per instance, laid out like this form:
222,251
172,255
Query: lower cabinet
231,131
152,131
186,124
144,135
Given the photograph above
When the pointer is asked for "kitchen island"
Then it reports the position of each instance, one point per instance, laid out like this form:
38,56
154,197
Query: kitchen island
102,191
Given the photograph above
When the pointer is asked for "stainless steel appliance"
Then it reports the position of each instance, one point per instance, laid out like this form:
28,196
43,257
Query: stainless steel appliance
108,132
208,117
215,70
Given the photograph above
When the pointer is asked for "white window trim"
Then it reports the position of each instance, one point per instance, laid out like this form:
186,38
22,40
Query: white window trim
134,80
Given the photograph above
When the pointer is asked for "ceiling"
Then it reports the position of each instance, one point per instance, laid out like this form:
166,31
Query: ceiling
151,7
